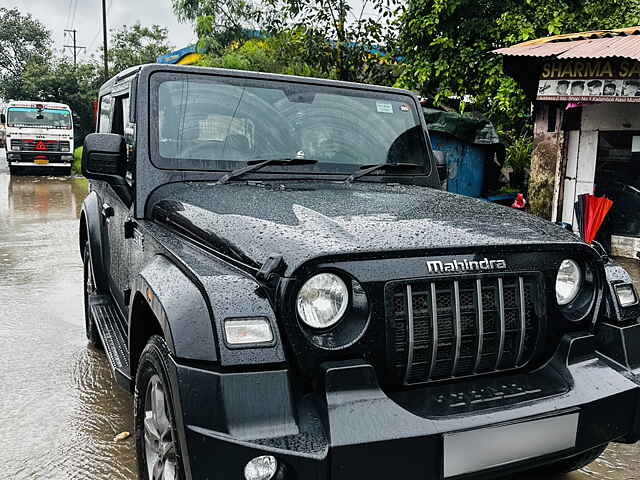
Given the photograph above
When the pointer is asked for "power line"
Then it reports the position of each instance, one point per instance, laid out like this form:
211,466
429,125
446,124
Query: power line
98,31
74,46
68,16
73,18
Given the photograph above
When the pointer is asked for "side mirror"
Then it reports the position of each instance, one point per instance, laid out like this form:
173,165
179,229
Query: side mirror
441,165
3,119
104,157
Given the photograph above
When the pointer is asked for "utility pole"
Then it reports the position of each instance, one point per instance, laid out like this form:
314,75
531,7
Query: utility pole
74,47
104,39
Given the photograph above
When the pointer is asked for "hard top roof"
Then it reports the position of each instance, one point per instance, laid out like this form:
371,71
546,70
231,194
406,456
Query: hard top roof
150,68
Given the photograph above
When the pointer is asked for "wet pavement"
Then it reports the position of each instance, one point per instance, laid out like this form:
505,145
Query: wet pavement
59,406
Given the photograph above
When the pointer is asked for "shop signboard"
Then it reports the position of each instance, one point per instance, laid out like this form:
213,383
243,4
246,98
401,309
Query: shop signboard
590,81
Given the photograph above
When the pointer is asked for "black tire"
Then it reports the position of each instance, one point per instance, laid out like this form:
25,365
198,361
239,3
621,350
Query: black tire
574,463
89,287
152,368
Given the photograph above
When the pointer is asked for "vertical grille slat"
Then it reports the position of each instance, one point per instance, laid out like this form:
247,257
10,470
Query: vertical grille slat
523,319
502,323
434,323
411,332
454,328
457,334
480,313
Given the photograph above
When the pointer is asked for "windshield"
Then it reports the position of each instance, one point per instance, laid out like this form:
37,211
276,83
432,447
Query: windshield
32,117
218,122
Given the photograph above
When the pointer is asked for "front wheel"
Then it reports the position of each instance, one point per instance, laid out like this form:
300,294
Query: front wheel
157,444
89,289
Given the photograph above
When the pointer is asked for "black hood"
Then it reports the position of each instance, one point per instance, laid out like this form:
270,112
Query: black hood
303,220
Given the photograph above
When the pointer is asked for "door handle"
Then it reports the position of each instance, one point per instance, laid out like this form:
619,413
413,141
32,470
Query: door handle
107,210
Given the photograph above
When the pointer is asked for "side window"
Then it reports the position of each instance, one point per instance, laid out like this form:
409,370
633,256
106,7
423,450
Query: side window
120,115
104,125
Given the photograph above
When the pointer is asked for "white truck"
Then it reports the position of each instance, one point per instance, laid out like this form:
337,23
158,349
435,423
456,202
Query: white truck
39,136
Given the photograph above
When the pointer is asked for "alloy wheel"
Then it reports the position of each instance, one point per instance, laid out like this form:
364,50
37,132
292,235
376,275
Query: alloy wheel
159,444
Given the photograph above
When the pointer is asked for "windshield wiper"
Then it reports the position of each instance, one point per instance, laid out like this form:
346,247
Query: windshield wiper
367,169
253,165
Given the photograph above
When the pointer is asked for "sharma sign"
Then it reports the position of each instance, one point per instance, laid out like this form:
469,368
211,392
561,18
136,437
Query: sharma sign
590,81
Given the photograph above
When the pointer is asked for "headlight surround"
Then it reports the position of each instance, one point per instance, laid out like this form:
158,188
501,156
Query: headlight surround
568,282
322,301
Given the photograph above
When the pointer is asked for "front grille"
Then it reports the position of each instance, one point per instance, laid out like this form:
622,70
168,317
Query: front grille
29,145
446,329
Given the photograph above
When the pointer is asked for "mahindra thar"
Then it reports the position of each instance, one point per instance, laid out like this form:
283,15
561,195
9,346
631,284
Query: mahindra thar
275,274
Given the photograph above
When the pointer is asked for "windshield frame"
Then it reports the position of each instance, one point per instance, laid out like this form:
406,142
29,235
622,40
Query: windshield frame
320,168
33,109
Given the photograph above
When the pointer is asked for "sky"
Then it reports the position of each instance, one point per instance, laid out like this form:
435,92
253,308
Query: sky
85,16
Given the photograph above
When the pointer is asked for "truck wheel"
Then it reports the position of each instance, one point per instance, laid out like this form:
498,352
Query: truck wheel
157,444
89,288
576,462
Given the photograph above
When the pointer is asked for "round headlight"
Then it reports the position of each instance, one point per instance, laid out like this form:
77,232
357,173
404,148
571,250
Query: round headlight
322,300
568,282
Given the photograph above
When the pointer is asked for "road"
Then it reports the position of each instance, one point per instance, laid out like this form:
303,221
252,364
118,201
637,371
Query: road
59,406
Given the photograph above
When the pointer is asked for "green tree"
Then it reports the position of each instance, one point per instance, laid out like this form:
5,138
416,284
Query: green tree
136,45
327,37
353,33
219,22
446,45
22,39
60,81
288,52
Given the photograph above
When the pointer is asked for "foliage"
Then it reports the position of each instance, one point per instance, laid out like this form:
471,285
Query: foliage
76,168
136,45
22,39
320,37
446,45
218,22
519,153
288,52
60,81
353,33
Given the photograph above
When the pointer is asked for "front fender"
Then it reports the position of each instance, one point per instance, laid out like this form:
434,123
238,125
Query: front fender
91,231
180,309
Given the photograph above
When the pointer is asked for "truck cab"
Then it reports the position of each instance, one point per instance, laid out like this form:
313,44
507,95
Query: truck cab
38,137
274,272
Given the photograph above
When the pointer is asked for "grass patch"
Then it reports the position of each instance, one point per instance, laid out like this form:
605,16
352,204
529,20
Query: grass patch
77,156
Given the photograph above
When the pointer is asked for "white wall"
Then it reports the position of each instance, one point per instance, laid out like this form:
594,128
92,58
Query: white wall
582,148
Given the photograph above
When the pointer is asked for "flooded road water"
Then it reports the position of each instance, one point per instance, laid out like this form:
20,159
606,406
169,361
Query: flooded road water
59,406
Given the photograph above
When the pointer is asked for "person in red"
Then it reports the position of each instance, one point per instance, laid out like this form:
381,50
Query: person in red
520,203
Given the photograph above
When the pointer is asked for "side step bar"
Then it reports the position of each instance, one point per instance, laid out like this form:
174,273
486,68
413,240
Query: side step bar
111,329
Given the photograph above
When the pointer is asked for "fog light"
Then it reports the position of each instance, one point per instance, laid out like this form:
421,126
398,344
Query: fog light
261,468
626,295
245,331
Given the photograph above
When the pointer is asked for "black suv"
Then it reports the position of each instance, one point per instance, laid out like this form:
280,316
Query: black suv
272,269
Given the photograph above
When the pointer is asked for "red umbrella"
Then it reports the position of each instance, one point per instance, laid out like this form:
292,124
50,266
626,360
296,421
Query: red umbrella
591,212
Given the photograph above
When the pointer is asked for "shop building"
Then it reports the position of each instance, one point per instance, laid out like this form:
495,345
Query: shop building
585,90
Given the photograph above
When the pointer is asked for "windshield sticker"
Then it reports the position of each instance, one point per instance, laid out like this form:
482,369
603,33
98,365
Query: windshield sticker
404,107
384,107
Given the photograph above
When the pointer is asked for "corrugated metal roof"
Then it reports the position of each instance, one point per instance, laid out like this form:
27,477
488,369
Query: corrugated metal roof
623,43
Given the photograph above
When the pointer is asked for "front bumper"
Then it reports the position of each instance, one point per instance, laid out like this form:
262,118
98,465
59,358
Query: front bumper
353,429
30,159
